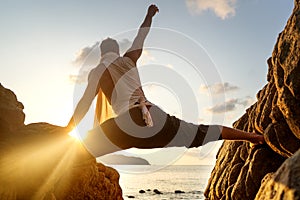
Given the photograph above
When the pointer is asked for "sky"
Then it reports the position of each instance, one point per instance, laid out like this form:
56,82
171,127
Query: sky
203,61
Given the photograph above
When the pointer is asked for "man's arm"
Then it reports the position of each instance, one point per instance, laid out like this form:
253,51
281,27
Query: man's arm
86,100
135,51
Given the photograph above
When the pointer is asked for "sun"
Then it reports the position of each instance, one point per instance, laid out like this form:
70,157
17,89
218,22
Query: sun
75,134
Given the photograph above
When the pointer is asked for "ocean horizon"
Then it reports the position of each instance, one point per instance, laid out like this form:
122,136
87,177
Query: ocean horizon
163,182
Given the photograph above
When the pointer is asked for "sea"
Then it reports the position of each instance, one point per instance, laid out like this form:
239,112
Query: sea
147,182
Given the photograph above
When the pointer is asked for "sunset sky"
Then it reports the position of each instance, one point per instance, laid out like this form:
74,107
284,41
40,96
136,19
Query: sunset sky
204,60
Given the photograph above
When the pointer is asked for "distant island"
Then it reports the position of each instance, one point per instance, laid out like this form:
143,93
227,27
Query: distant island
122,160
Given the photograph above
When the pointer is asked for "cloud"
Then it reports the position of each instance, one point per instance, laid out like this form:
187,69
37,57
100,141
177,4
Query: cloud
226,106
85,56
146,58
231,105
124,45
86,59
79,78
247,101
89,57
222,8
218,88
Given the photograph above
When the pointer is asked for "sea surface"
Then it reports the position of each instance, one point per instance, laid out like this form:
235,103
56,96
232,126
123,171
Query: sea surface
190,179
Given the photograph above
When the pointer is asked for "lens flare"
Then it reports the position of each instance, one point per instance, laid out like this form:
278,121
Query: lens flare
75,134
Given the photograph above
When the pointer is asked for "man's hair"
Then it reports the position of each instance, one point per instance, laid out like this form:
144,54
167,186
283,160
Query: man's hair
109,45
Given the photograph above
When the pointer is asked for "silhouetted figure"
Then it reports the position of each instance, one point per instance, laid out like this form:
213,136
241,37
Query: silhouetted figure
124,118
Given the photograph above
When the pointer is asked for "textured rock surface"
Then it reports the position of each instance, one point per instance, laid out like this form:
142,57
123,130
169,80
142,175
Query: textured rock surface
40,161
284,183
11,110
240,168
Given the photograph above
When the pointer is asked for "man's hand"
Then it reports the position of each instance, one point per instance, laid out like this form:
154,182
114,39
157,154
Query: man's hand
135,51
69,128
71,125
152,10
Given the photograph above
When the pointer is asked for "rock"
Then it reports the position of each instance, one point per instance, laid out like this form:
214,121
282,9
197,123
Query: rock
284,183
178,192
131,197
240,167
11,111
142,191
156,191
41,161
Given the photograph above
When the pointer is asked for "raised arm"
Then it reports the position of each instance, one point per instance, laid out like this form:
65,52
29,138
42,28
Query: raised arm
86,100
135,51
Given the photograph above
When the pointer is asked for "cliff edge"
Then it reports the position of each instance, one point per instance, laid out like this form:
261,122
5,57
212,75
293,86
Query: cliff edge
41,161
269,171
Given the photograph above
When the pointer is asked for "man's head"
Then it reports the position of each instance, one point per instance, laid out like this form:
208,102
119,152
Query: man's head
109,45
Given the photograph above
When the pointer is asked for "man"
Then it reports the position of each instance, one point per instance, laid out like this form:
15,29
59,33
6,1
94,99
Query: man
138,123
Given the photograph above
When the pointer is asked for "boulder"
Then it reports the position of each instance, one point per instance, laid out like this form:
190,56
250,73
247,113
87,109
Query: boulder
284,183
240,167
156,191
11,111
41,161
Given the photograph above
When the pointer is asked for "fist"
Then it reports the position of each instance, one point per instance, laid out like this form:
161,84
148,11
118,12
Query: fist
152,10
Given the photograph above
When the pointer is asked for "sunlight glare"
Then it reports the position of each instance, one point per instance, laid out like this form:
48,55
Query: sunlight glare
74,133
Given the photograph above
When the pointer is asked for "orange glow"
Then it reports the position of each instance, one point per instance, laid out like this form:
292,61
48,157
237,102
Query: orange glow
74,133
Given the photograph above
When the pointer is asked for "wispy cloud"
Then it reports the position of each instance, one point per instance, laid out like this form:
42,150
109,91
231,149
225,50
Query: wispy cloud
226,106
85,55
124,45
89,57
231,105
218,88
146,58
222,8
91,54
79,78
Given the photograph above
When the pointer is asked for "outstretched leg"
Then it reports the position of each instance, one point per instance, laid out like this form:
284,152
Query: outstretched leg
129,130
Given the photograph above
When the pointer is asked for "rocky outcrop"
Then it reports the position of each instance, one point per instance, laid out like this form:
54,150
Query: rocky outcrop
40,161
11,111
240,167
284,183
